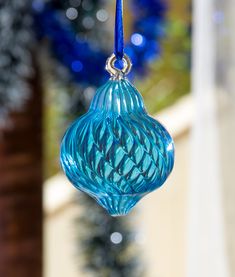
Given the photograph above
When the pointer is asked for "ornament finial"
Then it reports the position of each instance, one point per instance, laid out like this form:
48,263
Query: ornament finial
115,72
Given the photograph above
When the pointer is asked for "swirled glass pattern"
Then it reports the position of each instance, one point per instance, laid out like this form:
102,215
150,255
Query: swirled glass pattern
116,152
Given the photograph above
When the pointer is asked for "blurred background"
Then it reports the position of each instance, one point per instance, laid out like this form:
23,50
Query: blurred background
52,57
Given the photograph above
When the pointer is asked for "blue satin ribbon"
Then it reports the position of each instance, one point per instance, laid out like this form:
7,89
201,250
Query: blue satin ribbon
119,36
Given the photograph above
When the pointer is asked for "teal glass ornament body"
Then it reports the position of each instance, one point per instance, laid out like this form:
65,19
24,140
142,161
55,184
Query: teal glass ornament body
116,152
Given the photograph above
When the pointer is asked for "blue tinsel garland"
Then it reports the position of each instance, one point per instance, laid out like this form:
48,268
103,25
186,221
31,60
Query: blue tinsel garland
85,63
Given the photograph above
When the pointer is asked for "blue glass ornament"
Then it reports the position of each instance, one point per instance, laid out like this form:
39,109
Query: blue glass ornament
116,152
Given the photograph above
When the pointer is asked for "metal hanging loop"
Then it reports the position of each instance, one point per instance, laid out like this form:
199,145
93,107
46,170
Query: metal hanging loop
115,72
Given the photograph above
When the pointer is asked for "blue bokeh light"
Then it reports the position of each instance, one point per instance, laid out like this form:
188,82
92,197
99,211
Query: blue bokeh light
77,66
137,39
